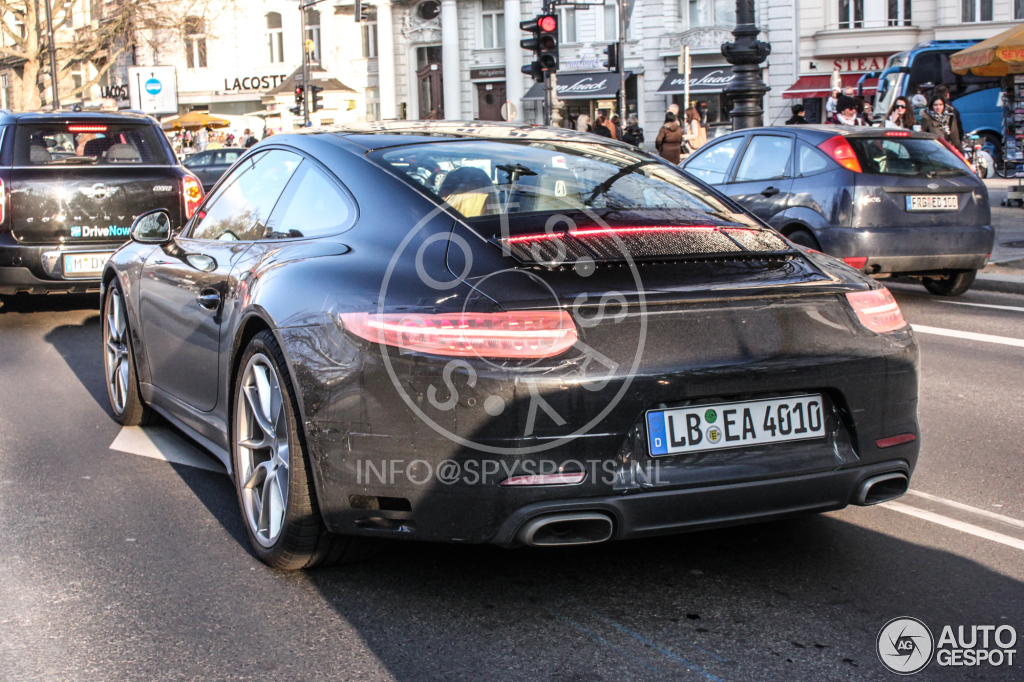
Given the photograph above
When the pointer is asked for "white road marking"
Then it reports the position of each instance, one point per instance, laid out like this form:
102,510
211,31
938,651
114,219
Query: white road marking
971,336
954,524
986,305
160,442
968,508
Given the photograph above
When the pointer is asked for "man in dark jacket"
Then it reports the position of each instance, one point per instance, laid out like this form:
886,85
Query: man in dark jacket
798,116
248,139
601,125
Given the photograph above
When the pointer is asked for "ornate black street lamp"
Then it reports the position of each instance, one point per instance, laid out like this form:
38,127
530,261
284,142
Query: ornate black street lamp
746,54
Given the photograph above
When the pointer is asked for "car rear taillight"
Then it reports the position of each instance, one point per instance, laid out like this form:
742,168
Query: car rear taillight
3,201
956,151
856,262
841,152
525,334
87,129
192,192
877,310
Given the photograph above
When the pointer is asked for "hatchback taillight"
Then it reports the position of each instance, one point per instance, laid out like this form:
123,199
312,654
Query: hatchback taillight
192,192
523,334
841,152
3,201
877,310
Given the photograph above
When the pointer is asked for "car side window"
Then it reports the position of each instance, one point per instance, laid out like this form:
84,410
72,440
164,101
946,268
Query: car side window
811,161
242,207
226,158
312,205
766,158
712,164
200,159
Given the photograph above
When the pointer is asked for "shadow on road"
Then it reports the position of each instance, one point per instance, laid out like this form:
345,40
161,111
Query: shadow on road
81,346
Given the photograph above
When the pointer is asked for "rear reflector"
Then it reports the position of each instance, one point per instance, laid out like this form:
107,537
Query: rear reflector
87,129
547,479
615,243
526,334
192,192
841,152
895,440
877,310
856,262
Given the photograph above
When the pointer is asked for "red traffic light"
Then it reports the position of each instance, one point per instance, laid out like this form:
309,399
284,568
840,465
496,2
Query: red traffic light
548,24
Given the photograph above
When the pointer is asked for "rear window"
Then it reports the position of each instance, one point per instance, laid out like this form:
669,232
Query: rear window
486,178
905,156
85,144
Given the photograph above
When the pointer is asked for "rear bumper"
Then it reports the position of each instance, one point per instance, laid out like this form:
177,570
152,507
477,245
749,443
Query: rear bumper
917,249
651,512
36,269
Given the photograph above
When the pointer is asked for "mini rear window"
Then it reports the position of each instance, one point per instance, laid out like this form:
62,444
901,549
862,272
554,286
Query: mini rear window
905,156
87,144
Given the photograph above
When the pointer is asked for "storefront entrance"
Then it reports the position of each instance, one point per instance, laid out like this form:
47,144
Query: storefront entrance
429,81
490,97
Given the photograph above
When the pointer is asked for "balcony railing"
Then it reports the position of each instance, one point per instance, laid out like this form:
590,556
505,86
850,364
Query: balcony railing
873,24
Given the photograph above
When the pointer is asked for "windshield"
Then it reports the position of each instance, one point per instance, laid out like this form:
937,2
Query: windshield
87,144
486,178
905,156
889,90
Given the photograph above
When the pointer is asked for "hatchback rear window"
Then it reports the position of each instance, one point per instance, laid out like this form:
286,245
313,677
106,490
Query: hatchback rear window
87,144
905,156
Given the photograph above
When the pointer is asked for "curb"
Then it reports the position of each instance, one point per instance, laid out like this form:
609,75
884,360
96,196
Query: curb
1007,284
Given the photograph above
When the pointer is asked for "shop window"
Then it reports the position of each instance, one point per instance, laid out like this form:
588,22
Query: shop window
976,10
493,21
195,43
275,37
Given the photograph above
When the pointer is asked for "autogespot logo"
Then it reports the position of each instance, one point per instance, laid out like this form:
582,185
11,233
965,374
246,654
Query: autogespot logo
905,645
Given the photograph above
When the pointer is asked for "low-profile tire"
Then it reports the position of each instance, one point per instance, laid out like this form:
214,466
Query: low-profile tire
954,285
119,362
804,238
273,477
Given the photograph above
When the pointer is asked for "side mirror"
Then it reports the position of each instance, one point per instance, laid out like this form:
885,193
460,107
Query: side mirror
153,227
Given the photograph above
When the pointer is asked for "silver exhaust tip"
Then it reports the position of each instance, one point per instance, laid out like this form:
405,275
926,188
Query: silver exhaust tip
881,488
583,528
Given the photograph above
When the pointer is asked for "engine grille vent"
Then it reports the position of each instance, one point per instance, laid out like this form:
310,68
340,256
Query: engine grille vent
642,243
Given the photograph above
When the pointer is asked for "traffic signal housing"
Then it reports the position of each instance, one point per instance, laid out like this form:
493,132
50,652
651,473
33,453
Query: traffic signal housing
300,93
548,39
534,69
612,63
316,100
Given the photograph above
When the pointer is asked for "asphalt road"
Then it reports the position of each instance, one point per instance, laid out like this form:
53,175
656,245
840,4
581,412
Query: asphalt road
116,566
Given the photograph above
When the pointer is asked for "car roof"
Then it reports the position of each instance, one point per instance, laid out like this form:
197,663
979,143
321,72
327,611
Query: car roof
382,134
826,130
109,117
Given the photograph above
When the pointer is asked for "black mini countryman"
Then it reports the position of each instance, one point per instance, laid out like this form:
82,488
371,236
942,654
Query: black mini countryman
71,183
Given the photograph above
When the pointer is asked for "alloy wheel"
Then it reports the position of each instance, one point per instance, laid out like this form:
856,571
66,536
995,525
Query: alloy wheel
116,355
262,453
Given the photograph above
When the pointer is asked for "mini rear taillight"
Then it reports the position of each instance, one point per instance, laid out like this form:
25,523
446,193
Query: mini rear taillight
841,152
897,133
856,262
877,310
3,201
87,129
521,334
192,192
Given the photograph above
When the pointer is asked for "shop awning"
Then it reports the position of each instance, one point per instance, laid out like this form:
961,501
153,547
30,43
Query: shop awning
597,85
702,79
818,86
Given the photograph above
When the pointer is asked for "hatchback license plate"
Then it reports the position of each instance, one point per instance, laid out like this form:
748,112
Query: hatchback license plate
84,264
933,202
734,425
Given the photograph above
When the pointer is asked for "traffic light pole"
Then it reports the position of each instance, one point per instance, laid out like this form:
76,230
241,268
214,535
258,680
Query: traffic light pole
305,67
621,66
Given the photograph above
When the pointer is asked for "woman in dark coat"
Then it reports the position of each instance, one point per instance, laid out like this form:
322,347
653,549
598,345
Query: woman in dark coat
936,120
670,140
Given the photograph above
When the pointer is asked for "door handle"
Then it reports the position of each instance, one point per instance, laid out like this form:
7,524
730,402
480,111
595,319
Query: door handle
209,298
770,191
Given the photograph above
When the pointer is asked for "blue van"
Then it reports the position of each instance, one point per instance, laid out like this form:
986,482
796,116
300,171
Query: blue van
927,65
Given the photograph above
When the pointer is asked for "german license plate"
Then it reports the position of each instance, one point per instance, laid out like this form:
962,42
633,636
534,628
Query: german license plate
933,202
84,264
733,425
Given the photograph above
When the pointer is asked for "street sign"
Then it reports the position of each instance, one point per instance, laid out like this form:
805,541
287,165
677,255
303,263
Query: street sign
153,89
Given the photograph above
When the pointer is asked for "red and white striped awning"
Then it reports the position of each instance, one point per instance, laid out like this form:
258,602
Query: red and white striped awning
819,86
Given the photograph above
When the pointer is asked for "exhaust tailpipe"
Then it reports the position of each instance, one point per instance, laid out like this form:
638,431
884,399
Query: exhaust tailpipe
881,488
582,528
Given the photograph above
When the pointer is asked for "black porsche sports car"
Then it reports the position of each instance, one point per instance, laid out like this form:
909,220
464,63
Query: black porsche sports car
490,333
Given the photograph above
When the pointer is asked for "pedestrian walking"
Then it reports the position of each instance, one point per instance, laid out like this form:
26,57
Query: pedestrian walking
669,142
831,103
846,112
799,115
694,135
633,134
248,139
617,127
900,115
601,125
583,123
938,120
